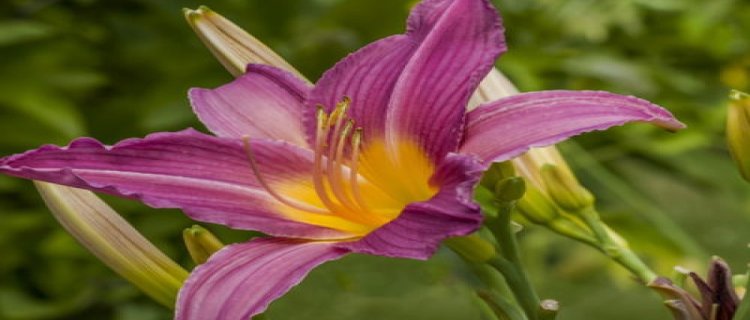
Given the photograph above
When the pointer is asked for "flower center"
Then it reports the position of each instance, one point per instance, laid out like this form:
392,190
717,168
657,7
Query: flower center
356,185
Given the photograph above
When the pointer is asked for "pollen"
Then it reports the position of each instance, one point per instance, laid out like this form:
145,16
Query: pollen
357,184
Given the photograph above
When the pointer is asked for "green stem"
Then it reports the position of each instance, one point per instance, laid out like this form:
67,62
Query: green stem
743,312
620,254
637,201
491,278
501,306
496,284
519,284
510,266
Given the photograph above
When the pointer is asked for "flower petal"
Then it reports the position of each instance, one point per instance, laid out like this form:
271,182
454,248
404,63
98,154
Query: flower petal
420,227
429,100
241,280
369,75
208,177
505,128
367,78
265,102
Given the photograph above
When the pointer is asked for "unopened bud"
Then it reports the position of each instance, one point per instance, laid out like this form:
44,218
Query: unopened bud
200,243
565,190
738,131
496,172
114,241
536,207
510,189
472,248
232,46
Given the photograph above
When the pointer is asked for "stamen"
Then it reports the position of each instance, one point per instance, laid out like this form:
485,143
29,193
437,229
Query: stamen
334,168
353,167
321,134
340,111
267,187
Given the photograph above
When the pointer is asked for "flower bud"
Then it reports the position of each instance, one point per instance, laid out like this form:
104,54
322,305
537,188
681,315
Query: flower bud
510,189
232,46
114,241
565,190
200,243
738,131
536,207
472,248
496,172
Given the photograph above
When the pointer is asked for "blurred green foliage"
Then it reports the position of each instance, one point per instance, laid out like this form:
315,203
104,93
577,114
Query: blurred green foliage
118,69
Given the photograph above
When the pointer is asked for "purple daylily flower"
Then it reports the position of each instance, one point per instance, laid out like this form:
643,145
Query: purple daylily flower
379,157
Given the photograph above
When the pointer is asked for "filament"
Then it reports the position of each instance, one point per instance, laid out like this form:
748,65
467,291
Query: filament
353,174
254,166
320,137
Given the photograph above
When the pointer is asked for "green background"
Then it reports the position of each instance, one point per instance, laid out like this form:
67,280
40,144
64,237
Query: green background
119,69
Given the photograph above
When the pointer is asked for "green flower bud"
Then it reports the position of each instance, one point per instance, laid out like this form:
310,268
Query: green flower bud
114,241
472,248
738,131
564,189
510,189
496,172
536,207
200,243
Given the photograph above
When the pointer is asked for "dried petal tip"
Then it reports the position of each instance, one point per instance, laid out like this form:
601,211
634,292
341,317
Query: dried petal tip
114,241
738,131
231,45
200,243
548,309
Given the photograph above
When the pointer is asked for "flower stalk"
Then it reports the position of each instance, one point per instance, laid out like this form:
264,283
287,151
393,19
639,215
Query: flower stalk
509,262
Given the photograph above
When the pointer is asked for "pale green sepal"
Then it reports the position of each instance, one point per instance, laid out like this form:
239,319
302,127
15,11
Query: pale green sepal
114,241
200,243
738,131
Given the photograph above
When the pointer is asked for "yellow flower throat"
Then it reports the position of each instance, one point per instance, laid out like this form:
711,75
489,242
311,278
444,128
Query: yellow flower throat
355,187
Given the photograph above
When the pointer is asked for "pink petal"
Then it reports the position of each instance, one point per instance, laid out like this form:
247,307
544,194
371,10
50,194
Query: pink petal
429,100
241,280
420,228
266,102
208,177
461,37
367,77
503,129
